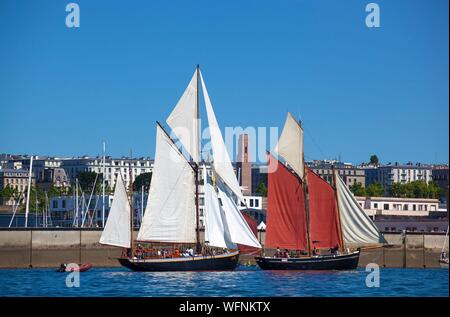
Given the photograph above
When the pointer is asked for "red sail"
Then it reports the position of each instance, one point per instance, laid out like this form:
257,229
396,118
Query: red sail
244,249
323,217
286,226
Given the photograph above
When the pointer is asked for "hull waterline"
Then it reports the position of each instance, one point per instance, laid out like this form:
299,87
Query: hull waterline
329,262
223,262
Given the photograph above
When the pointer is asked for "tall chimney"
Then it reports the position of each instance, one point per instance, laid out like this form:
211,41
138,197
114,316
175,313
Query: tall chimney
244,166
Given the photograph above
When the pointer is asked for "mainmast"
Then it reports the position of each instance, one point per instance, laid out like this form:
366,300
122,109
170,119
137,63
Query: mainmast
131,203
197,166
338,213
306,194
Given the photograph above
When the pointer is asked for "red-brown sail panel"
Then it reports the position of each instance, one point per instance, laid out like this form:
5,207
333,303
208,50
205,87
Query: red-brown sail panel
323,216
244,249
286,227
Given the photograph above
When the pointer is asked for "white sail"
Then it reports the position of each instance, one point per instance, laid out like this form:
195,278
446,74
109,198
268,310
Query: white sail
216,228
117,229
240,232
170,212
358,228
290,145
184,119
221,159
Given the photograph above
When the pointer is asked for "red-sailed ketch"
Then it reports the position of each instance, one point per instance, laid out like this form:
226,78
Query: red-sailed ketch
313,225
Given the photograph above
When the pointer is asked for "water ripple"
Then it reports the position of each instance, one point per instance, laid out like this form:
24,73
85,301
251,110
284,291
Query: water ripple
246,281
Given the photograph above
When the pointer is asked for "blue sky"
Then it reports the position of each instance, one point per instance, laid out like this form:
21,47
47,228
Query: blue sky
358,90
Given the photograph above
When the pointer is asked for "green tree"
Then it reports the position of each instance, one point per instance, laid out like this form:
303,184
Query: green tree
398,190
8,192
375,190
434,191
374,159
143,179
37,200
358,190
415,189
262,189
87,180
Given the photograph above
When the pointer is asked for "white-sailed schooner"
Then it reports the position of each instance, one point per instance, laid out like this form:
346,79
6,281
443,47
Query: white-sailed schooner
172,213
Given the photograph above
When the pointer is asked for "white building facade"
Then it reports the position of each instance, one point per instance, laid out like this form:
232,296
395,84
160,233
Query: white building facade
390,206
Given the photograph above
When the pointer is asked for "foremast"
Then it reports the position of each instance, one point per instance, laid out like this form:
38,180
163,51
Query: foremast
198,246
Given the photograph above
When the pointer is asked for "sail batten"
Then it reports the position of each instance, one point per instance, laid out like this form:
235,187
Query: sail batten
170,211
117,229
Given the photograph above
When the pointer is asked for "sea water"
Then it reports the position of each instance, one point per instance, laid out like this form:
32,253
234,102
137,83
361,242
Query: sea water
245,281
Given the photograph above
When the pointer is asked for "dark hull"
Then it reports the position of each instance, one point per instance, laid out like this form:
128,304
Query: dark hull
225,262
338,262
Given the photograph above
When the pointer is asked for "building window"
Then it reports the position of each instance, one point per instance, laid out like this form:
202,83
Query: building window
55,204
386,206
251,202
375,205
256,203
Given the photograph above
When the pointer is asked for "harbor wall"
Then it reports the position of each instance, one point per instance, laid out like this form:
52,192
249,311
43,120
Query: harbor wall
24,248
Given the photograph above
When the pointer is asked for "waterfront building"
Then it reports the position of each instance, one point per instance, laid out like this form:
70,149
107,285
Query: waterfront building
16,179
113,167
386,175
349,173
439,174
411,224
63,209
392,206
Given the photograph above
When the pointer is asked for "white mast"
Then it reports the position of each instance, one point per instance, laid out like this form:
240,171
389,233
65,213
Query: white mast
27,208
103,186
76,200
142,202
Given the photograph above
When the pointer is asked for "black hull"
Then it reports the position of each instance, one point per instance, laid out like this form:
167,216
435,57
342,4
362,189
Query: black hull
224,262
338,262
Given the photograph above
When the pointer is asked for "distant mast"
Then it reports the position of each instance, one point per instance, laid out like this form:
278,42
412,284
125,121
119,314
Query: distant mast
27,208
103,185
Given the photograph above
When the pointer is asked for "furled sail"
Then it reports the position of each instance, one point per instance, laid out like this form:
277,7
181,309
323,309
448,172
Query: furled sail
170,211
286,218
222,162
290,145
358,229
239,229
184,119
323,214
117,229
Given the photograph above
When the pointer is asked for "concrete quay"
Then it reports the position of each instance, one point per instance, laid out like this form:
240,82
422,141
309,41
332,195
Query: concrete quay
26,248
